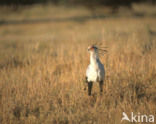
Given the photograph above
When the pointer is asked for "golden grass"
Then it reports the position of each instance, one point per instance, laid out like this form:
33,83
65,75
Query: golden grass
42,69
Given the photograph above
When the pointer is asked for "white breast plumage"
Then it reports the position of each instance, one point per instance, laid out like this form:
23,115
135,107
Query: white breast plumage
95,72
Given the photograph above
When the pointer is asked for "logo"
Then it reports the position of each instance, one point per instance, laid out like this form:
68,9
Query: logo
137,117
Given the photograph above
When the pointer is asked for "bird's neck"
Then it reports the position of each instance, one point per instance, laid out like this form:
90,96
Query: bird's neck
94,58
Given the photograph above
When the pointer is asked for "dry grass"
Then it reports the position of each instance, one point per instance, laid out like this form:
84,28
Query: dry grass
42,68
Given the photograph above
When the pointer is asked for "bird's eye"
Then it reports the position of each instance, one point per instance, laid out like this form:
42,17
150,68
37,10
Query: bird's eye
92,48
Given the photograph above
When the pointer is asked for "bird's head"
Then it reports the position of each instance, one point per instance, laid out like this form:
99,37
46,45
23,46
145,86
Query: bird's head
96,50
92,48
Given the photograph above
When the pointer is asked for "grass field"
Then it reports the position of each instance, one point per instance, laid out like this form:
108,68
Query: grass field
43,59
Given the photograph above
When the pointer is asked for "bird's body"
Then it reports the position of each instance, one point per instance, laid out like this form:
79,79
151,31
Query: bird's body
95,71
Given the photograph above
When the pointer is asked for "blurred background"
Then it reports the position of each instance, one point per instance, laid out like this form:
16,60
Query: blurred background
31,11
112,3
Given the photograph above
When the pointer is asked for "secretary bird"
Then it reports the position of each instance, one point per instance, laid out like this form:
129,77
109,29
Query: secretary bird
95,71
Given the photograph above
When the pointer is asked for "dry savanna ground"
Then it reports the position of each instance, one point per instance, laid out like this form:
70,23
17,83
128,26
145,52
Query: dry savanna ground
43,59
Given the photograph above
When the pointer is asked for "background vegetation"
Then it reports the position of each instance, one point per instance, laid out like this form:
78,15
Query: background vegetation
103,2
43,59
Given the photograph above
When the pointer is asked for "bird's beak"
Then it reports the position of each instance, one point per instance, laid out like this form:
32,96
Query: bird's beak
89,48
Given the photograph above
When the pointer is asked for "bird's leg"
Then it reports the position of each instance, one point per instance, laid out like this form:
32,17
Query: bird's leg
101,86
90,84
85,83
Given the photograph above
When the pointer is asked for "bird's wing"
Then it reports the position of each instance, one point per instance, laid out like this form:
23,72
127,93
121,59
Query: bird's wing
101,67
